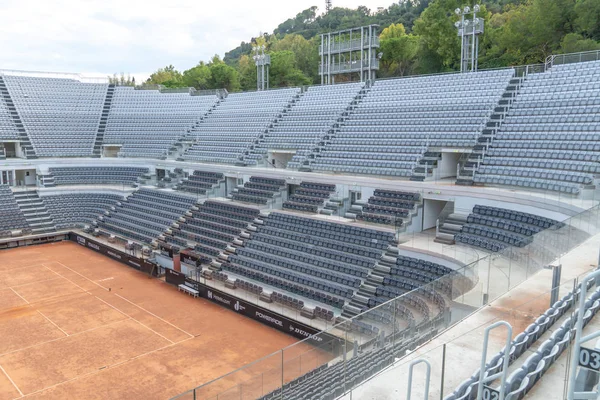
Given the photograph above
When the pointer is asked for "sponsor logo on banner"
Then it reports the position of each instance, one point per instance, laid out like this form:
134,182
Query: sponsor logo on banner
270,319
238,307
135,262
302,332
112,254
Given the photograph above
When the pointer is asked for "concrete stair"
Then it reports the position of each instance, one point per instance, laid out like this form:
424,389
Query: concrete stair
35,212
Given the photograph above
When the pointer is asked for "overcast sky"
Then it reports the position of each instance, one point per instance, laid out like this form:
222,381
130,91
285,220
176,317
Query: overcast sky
136,36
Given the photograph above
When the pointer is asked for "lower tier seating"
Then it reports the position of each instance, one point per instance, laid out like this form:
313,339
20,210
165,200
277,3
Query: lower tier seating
72,209
146,214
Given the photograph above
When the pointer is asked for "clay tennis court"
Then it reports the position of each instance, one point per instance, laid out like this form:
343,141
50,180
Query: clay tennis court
75,324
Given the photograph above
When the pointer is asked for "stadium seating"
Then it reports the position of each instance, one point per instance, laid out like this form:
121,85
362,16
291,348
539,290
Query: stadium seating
521,380
259,190
94,175
75,209
555,112
304,124
494,228
235,124
147,123
200,181
11,217
387,207
315,266
211,227
146,214
8,130
399,120
61,116
310,196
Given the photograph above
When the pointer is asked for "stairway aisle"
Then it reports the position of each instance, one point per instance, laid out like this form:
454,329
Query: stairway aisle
35,212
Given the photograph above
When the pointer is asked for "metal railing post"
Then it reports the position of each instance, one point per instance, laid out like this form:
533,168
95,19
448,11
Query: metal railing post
572,394
427,377
502,374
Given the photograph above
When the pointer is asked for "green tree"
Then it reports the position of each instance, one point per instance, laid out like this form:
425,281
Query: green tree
167,76
588,18
283,71
199,77
247,72
399,51
306,53
224,76
574,43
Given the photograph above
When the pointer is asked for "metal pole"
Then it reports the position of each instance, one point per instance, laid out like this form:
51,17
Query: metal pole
502,375
572,395
473,44
362,54
328,58
427,377
462,41
443,371
322,58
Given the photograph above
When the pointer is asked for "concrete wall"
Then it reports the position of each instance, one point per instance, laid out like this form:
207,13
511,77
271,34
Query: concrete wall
431,211
447,165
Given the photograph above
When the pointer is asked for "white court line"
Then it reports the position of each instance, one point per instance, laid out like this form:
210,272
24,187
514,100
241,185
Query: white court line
141,308
154,315
62,338
107,368
83,276
11,381
22,298
52,322
67,279
32,283
108,304
145,326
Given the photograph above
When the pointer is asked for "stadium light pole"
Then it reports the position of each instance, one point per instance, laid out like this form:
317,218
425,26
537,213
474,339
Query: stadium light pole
469,39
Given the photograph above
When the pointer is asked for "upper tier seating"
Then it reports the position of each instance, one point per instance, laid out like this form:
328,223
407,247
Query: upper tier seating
72,209
11,217
400,119
259,190
96,175
320,260
550,138
212,227
494,228
146,214
8,130
305,123
147,123
233,126
61,116
309,196
200,181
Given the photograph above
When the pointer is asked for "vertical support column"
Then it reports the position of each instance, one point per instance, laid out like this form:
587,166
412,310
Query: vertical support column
328,58
322,59
362,52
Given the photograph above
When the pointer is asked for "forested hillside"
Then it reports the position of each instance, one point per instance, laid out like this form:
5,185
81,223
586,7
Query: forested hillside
417,37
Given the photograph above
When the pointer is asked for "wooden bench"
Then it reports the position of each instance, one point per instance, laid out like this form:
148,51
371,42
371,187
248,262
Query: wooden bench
188,290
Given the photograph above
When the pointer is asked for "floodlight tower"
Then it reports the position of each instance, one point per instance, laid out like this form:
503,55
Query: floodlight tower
263,62
328,6
469,31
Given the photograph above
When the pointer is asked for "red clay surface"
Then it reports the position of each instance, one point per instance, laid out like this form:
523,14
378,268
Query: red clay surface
75,325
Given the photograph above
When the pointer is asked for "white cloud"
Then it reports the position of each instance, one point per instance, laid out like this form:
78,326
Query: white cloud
108,36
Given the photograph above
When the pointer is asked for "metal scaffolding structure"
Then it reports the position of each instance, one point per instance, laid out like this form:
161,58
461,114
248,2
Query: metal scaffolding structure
349,51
